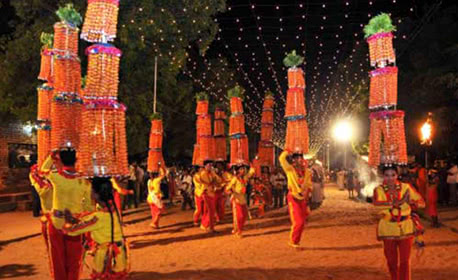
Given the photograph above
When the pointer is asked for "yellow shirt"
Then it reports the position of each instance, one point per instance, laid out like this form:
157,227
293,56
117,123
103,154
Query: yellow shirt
396,222
118,188
296,185
154,186
223,180
44,190
98,223
205,182
69,192
238,186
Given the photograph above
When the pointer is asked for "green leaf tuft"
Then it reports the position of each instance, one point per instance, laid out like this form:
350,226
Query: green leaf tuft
156,116
378,24
268,94
70,15
200,96
236,91
293,60
47,39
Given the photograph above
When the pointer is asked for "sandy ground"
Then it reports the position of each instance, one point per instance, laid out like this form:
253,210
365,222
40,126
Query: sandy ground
338,243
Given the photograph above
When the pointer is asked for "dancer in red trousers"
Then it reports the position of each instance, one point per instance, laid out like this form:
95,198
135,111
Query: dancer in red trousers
237,187
69,191
299,186
206,180
220,196
396,227
155,196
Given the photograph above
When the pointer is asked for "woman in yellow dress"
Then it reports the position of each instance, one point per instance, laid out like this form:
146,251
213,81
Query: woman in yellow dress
397,227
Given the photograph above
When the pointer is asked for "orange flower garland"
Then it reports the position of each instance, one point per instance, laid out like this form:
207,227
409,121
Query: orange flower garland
100,21
268,103
220,148
155,145
236,105
65,116
296,78
103,71
196,156
202,107
155,160
266,154
239,150
218,127
65,38
297,140
295,103
46,65
267,131
204,125
67,74
383,87
44,144
236,124
45,94
267,116
219,114
381,50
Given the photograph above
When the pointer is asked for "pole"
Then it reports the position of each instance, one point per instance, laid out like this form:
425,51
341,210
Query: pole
345,156
327,156
426,157
155,84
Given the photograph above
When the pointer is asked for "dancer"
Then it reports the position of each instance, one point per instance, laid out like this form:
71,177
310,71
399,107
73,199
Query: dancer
155,196
206,181
260,197
397,227
220,196
104,225
69,192
237,187
299,186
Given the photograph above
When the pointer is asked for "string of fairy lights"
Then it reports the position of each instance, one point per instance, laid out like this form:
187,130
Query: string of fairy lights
254,37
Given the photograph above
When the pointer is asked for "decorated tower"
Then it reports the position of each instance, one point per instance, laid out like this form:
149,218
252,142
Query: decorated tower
103,146
65,77
204,148
266,146
155,158
219,135
239,139
297,136
45,96
387,142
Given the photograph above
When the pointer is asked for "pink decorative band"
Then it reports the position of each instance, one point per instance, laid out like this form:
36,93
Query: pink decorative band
103,48
379,35
384,70
387,114
107,104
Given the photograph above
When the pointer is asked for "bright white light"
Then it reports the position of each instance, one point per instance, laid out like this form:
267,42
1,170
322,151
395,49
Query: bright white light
343,131
27,129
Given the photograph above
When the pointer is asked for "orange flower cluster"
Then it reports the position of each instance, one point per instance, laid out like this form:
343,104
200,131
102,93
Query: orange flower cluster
67,74
220,114
218,128
103,147
296,78
381,50
389,126
45,94
207,148
44,144
236,124
268,103
297,136
383,87
65,38
295,102
102,71
46,65
202,107
267,116
196,160
65,121
100,21
236,105
220,148
266,147
155,146
267,131
239,150
204,125
266,154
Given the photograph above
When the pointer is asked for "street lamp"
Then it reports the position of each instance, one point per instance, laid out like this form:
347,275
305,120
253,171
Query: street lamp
343,132
426,136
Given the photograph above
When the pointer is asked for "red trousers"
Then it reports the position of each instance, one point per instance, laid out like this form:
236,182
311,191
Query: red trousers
117,201
208,215
220,200
240,214
199,208
431,201
298,214
66,254
397,253
155,214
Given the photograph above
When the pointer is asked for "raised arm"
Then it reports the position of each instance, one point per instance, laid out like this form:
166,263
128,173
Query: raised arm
283,162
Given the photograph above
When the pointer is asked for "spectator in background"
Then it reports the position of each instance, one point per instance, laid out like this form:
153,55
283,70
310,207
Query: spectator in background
341,179
317,185
278,182
185,184
350,183
130,198
452,180
442,189
172,184
139,174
